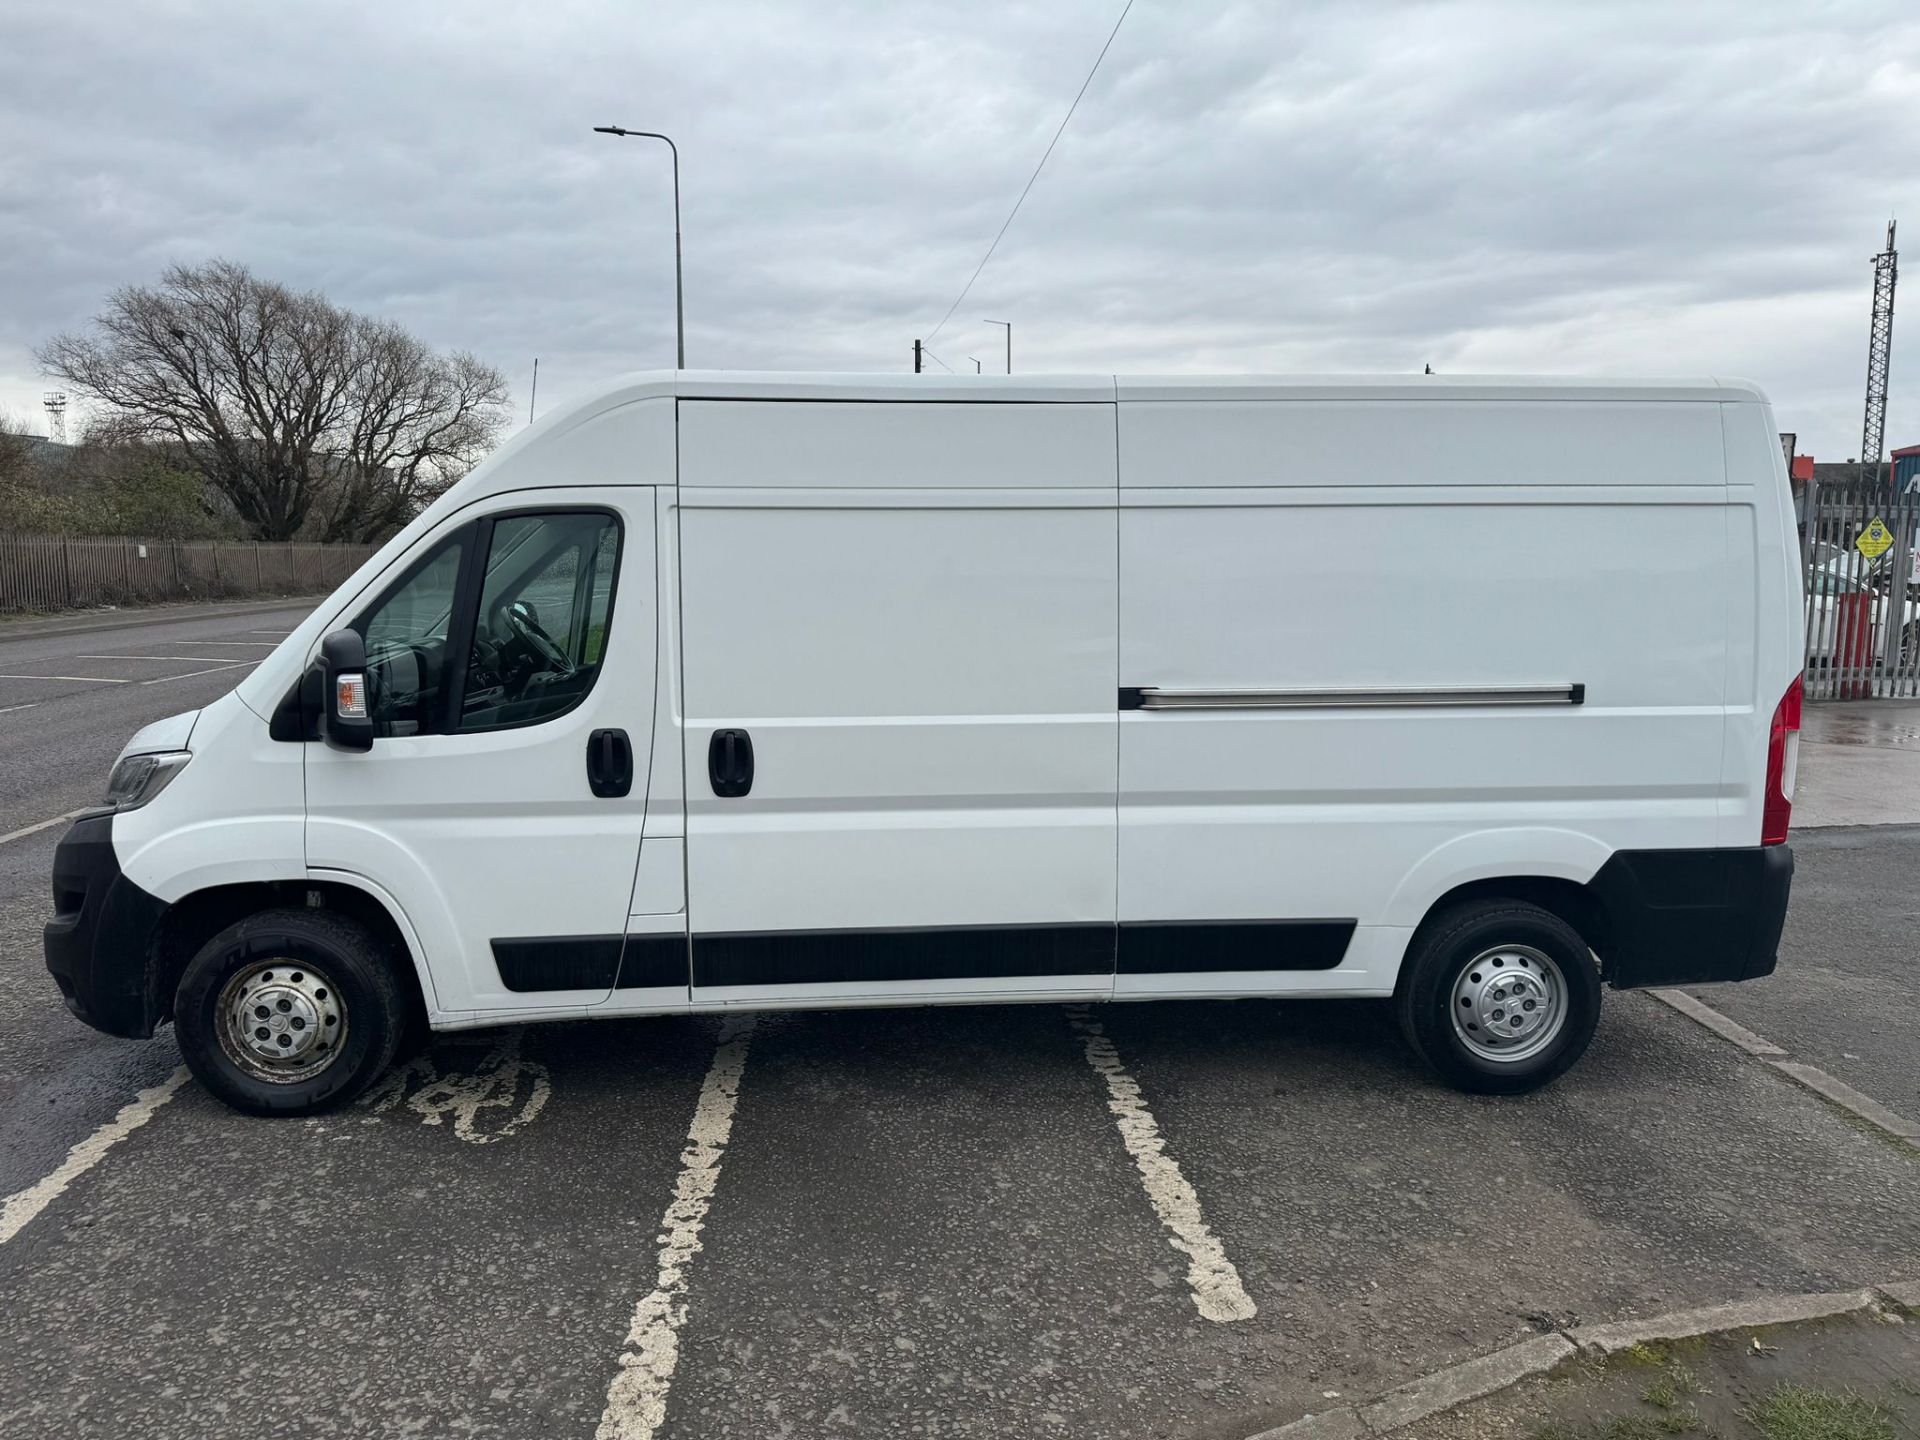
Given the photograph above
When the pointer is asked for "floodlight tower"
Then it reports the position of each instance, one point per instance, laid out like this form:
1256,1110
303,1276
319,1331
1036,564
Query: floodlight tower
1886,270
56,403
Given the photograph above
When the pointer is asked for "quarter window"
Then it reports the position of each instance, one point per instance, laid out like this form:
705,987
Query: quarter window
406,637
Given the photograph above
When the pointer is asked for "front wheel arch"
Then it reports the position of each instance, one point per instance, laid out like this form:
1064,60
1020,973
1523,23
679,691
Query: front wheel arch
194,919
290,1011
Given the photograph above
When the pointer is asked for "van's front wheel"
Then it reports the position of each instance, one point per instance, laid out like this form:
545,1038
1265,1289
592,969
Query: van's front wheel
1499,996
289,1012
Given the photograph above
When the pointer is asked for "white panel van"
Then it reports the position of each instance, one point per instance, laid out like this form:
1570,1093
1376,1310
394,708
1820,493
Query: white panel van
720,691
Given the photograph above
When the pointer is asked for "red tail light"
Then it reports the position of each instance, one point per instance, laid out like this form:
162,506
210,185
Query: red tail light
1783,755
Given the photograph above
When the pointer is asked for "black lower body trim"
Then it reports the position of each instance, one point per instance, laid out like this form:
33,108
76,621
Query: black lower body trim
1187,947
559,962
979,952
591,962
1684,917
652,961
813,957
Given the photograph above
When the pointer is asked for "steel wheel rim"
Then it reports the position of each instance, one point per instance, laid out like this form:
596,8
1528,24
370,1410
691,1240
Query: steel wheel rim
281,1021
1508,1003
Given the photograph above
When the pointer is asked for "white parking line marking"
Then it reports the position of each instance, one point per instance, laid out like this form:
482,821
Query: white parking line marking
19,1208
210,670
637,1398
83,679
202,659
1217,1293
241,644
281,633
38,826
9,709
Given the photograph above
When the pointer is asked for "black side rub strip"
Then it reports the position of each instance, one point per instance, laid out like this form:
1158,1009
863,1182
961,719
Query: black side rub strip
591,962
1189,947
813,957
559,962
807,957
651,961
982,952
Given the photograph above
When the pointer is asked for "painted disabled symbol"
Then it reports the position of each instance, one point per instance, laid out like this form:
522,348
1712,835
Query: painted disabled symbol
499,1097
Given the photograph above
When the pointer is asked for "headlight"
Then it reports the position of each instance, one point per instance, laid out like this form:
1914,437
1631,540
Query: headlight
138,778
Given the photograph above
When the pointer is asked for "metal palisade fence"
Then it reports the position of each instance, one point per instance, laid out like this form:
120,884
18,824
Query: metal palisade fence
1863,626
64,573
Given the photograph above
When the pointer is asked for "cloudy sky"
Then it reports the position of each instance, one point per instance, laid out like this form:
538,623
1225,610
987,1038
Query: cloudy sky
1686,186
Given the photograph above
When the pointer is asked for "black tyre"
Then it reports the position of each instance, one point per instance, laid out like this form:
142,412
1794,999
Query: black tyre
289,1012
1499,996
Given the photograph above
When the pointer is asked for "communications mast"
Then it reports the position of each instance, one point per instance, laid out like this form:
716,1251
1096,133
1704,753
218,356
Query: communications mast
1886,270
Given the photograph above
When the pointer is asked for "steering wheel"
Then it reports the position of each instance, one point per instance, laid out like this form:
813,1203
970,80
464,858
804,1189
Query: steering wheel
524,624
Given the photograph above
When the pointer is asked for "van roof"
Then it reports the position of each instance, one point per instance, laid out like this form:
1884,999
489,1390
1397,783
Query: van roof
1057,389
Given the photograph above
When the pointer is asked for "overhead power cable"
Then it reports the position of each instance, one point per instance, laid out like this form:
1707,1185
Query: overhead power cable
1036,172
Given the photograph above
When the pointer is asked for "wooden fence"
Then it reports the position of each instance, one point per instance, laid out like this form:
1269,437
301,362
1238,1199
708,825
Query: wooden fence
55,573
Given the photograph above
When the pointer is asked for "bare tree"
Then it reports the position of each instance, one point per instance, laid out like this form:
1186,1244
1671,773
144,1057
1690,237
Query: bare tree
306,416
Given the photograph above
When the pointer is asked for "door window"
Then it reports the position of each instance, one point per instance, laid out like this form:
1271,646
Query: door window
532,624
541,627
406,635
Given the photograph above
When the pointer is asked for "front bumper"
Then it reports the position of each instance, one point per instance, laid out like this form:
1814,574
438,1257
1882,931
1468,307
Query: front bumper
99,944
1686,917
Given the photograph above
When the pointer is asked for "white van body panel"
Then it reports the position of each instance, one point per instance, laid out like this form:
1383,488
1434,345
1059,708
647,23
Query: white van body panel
169,733
1491,543
1057,687
235,813
923,652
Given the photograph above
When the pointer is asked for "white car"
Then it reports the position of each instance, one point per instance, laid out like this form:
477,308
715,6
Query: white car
1836,578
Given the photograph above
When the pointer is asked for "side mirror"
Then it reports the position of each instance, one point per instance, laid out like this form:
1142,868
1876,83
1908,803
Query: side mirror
346,722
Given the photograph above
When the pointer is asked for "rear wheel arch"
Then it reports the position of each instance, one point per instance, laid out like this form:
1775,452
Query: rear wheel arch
1504,961
1572,901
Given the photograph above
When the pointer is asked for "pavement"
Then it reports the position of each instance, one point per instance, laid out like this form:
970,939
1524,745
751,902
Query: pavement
1845,1378
940,1222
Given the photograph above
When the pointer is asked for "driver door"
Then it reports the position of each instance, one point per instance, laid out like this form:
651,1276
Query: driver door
511,681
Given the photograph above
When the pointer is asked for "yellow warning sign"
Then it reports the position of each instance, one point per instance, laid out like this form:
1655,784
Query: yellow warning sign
1874,540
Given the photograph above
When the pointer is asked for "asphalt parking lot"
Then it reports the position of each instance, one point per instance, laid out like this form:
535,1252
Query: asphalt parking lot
1151,1220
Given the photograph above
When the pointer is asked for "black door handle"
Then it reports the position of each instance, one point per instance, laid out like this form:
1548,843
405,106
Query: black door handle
730,763
609,763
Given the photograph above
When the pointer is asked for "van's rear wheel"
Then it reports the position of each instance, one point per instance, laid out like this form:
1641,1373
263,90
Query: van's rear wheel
1499,996
289,1012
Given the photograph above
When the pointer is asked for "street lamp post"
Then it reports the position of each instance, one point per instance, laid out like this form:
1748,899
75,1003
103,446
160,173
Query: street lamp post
679,291
1009,328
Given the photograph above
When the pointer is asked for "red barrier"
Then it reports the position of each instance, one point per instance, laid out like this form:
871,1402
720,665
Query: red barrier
1853,646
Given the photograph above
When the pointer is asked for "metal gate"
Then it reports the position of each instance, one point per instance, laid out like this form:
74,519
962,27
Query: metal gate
1863,625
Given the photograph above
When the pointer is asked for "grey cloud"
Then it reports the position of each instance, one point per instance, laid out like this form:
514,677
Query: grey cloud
1555,186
